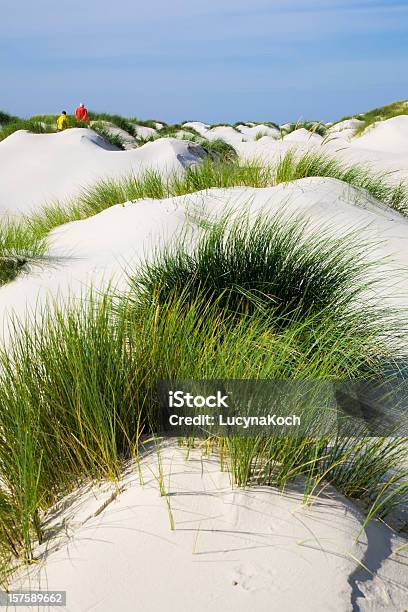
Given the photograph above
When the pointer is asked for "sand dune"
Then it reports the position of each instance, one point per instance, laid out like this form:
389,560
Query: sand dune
128,141
251,133
96,250
231,550
39,168
304,136
145,132
367,150
234,136
198,126
389,136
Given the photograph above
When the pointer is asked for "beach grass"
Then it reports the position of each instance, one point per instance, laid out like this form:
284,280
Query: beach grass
113,139
151,123
292,166
121,122
316,127
270,124
6,118
79,389
267,265
219,149
27,236
36,127
260,135
382,113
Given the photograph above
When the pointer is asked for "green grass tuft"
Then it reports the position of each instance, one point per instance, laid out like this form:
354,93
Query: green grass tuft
79,389
5,118
379,114
292,167
113,139
27,237
118,120
315,127
35,127
221,150
268,266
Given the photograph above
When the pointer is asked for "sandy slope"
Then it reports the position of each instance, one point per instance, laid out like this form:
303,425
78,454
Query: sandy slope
128,141
253,132
383,148
96,250
146,132
234,136
390,136
39,168
303,136
231,550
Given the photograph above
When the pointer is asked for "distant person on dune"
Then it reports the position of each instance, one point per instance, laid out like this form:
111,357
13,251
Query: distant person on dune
62,121
81,113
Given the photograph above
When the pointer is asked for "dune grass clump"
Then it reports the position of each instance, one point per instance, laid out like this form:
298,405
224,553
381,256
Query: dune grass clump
53,439
28,236
36,127
79,389
5,118
260,135
270,124
10,267
308,292
18,248
223,175
151,123
266,265
216,125
118,120
172,130
291,167
221,169
51,119
380,114
220,150
315,127
128,124
113,139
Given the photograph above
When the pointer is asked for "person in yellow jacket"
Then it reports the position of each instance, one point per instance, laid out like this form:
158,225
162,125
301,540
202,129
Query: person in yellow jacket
62,121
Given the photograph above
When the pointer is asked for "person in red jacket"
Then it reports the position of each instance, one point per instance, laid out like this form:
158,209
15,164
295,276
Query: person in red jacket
81,113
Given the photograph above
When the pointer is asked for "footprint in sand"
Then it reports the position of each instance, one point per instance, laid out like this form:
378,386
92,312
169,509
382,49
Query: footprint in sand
254,577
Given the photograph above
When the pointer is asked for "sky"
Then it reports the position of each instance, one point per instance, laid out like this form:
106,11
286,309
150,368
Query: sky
213,60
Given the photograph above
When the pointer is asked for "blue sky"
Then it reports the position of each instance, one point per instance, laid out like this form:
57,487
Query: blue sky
213,60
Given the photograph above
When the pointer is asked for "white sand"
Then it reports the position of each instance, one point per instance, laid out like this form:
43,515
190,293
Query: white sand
129,142
227,133
347,124
146,132
231,550
344,129
198,126
251,133
304,136
242,133
387,136
97,250
39,168
383,148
